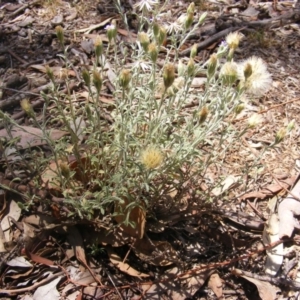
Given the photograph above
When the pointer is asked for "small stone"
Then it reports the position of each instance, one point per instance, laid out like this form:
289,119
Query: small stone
22,32
3,59
26,22
57,20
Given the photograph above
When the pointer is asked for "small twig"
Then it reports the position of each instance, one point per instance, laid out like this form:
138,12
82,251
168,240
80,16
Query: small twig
131,246
256,211
113,283
16,56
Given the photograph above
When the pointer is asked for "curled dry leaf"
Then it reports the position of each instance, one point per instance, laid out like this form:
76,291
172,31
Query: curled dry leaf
40,220
266,290
274,255
216,285
287,209
158,253
230,182
270,190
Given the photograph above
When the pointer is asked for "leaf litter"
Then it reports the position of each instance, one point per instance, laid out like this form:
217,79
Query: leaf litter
54,240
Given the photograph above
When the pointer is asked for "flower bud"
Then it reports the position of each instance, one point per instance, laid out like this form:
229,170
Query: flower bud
98,46
223,48
161,36
111,30
60,34
63,74
88,112
191,8
291,126
49,73
169,75
144,40
194,51
86,77
254,120
247,71
202,115
65,169
124,78
155,28
202,18
191,67
27,108
189,20
212,65
97,80
181,68
280,135
239,108
114,24
153,52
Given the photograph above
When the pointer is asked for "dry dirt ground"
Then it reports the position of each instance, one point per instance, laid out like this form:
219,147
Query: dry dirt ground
216,252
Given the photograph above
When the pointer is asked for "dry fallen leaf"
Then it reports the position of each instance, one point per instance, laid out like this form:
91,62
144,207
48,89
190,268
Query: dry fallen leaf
266,290
122,266
137,215
14,213
175,289
48,291
31,136
76,241
216,285
19,262
50,177
230,182
158,253
270,190
76,275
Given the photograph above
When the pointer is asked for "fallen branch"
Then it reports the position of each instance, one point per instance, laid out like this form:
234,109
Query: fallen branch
23,7
215,38
229,24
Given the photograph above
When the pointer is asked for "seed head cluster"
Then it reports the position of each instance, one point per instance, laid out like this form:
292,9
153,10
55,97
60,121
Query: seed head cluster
151,157
259,80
